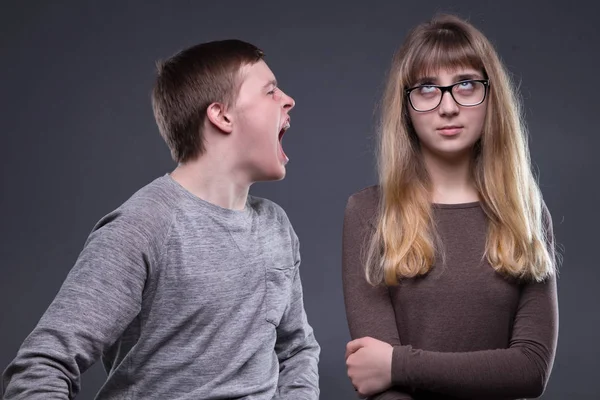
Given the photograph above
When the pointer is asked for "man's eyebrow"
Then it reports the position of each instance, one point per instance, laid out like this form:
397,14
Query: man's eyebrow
272,82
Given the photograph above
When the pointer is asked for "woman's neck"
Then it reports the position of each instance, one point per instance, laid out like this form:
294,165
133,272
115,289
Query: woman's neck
451,178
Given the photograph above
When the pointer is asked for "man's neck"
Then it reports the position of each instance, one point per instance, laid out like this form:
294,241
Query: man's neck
212,181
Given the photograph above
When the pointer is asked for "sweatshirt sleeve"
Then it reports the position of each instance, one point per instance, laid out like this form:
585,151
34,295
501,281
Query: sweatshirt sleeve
369,309
296,346
99,298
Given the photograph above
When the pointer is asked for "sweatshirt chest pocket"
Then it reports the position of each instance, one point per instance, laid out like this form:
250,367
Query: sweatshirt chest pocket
279,283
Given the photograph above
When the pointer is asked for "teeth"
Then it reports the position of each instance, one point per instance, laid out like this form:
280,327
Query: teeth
286,126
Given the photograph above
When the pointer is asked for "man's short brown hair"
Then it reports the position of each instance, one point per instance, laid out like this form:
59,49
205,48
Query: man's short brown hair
188,82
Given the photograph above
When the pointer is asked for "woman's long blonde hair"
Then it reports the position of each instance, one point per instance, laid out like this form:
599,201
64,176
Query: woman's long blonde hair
405,242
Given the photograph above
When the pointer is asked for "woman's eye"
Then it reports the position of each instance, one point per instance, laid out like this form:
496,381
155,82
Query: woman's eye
427,89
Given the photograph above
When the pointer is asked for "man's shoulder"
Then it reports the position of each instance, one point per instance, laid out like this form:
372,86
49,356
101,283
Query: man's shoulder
148,212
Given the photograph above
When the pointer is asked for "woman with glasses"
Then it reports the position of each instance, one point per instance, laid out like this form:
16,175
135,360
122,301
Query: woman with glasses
448,263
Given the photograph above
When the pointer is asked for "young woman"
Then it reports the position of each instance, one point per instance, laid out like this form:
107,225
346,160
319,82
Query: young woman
448,263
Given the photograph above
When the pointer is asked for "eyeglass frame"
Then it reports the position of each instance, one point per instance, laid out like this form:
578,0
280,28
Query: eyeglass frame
444,89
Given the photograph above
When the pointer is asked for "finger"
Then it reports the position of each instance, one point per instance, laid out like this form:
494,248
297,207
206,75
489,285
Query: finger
353,346
348,354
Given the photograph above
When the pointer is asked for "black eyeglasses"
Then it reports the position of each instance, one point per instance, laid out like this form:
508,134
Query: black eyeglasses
467,93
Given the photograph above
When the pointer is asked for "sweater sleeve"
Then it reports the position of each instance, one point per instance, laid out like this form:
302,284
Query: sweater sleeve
521,370
296,346
369,309
99,298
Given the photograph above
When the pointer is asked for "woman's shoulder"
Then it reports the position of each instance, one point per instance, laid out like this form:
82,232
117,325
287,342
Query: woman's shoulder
364,203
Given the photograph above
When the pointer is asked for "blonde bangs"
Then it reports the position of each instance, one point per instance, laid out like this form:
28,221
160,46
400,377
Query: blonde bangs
443,49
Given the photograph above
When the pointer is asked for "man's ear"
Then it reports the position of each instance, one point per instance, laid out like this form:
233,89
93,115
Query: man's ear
217,114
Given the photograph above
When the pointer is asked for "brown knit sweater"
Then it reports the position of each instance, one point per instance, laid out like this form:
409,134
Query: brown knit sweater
462,330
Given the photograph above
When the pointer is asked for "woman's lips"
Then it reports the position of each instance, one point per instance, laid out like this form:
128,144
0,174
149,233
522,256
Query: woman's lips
450,130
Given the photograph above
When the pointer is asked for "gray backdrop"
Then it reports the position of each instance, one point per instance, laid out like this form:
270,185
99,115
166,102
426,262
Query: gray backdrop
78,138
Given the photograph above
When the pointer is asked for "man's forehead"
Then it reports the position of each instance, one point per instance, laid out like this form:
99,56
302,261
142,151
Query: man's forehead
258,73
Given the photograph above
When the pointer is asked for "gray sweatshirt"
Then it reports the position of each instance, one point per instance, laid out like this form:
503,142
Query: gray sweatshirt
182,299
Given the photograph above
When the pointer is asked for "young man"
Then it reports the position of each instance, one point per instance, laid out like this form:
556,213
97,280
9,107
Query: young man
190,289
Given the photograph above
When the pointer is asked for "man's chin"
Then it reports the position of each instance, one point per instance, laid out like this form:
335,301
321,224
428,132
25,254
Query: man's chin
273,175
280,176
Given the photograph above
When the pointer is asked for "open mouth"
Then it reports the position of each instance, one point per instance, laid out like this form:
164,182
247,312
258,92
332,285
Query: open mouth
285,127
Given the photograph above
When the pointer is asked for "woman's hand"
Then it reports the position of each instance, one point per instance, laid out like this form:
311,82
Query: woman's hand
369,363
